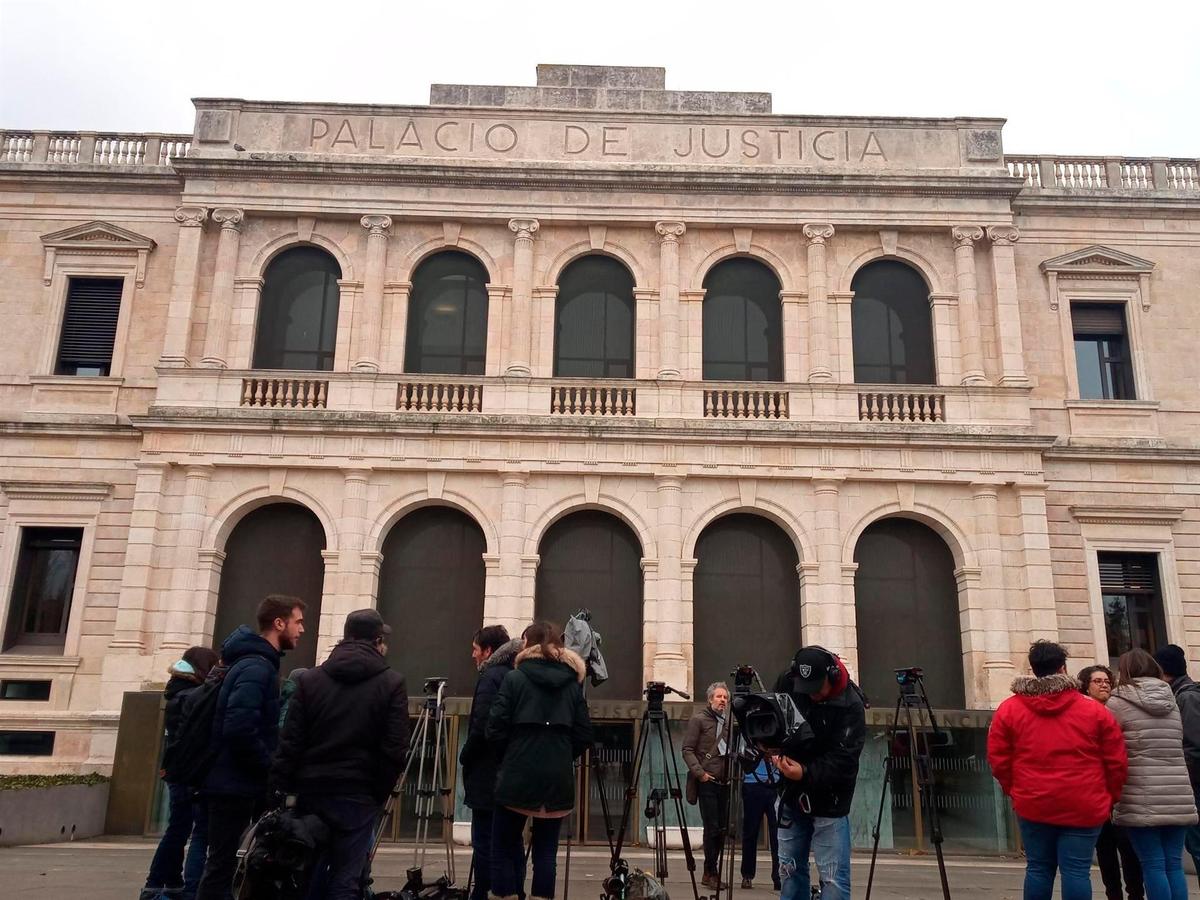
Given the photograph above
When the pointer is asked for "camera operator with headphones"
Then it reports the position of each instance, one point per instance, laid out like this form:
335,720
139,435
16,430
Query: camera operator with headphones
819,776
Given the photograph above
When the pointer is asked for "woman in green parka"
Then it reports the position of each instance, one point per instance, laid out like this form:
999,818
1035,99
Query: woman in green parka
539,724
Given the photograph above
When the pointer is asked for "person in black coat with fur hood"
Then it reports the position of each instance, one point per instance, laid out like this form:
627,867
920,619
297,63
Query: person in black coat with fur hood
494,655
539,722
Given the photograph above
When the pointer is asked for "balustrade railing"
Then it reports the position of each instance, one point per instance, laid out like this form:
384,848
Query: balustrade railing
1025,168
287,393
593,400
745,403
1105,173
1090,174
92,148
1183,175
436,396
1137,174
901,406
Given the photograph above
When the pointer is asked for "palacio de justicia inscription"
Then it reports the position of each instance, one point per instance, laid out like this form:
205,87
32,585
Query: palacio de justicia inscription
730,379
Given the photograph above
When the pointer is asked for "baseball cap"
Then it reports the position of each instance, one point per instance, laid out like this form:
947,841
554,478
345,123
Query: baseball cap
810,669
365,625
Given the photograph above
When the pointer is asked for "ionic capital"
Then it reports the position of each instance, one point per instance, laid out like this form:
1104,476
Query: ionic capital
818,234
191,216
227,217
376,224
1004,235
966,235
670,232
524,229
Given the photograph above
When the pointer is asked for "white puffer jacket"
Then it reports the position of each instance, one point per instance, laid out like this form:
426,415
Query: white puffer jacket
1158,791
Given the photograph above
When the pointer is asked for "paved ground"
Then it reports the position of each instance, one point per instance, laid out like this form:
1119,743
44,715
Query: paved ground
114,870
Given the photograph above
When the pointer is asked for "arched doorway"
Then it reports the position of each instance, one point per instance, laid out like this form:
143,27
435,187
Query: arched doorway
431,584
275,549
591,559
906,604
745,600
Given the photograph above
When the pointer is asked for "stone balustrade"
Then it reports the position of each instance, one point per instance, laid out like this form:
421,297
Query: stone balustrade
70,148
439,396
593,399
285,393
745,403
1105,173
899,405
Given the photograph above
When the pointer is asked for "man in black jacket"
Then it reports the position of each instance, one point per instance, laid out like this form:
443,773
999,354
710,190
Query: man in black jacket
819,777
245,729
493,653
343,746
1187,696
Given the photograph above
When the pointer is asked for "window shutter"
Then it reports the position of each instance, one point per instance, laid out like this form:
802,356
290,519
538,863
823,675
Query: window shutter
90,324
1122,573
1098,318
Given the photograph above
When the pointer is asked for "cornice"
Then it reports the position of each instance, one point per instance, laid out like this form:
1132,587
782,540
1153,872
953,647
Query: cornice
61,490
1127,515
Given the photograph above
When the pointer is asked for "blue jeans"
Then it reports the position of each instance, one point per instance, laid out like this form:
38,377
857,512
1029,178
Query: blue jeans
829,842
341,873
187,816
1049,848
1160,851
508,854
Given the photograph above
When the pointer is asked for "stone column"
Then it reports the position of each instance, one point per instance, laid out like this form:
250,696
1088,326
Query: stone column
183,285
998,668
522,297
185,573
818,307
946,349
367,359
512,547
668,299
827,629
795,336
353,591
670,663
965,237
220,306
140,558
1042,618
1008,310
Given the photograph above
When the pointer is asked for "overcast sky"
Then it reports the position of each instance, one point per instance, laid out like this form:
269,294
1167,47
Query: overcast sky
1079,78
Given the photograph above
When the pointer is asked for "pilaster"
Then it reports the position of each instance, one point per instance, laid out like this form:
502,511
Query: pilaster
818,312
670,664
520,348
668,308
1008,309
371,308
183,285
220,305
965,237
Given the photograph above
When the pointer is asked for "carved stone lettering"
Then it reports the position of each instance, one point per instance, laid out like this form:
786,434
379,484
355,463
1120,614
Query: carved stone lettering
575,139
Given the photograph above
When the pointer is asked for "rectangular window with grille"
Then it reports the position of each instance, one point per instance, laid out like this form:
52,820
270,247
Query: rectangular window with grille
1133,610
89,327
1102,351
40,606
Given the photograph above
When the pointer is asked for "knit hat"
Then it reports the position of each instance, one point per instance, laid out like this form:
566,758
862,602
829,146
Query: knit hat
1172,660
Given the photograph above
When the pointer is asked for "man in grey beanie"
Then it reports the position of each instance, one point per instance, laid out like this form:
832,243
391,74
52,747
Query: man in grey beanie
1187,697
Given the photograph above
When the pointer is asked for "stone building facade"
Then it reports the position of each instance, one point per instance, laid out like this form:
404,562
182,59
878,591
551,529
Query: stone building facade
195,413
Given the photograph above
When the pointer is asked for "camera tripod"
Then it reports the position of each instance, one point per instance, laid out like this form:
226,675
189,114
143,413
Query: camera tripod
913,697
429,753
654,719
737,751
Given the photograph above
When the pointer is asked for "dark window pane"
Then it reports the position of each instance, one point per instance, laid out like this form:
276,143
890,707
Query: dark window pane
906,606
1133,611
742,323
594,320
26,743
89,328
447,316
891,325
19,689
45,580
297,317
1102,351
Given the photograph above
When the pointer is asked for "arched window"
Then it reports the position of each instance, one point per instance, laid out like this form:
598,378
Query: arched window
743,330
448,316
592,560
906,605
431,594
745,600
893,333
594,320
275,549
298,315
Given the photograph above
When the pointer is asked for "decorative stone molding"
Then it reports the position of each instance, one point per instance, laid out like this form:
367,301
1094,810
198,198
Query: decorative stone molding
58,491
670,231
97,239
1003,235
818,234
1127,515
191,216
966,235
227,217
1099,263
524,229
375,224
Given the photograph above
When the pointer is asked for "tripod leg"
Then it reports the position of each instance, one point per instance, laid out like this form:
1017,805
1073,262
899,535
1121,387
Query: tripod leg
887,752
927,790
631,791
677,795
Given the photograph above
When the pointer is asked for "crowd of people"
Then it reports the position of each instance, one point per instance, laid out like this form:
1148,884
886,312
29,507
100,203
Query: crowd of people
1094,765
1097,768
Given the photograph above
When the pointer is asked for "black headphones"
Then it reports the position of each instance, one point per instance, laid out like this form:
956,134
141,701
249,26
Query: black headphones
833,670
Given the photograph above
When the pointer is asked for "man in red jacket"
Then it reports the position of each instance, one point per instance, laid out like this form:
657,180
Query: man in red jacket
1061,758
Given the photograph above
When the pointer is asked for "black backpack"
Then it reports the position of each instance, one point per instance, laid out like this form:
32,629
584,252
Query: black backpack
192,751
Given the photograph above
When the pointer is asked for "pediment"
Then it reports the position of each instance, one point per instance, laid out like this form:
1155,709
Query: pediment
1098,260
97,235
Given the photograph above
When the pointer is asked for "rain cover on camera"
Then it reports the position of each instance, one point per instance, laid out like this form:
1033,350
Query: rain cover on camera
579,637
